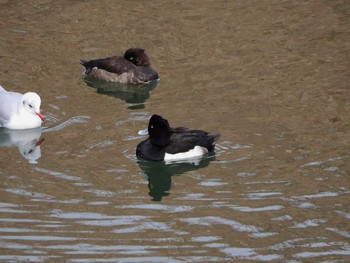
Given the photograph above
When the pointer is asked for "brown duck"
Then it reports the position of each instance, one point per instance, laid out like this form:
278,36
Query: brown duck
134,67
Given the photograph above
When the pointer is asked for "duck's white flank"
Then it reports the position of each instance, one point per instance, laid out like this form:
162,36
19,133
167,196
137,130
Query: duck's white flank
196,152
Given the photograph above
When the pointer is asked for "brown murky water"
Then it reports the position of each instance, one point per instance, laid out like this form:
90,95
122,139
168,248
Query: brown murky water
271,76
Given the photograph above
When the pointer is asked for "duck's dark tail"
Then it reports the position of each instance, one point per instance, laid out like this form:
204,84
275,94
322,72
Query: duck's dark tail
209,141
215,137
86,64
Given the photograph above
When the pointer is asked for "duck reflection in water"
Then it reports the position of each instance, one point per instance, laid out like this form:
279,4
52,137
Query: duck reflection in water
159,174
134,94
27,141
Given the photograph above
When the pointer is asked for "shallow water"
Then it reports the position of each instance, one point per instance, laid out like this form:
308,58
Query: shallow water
271,76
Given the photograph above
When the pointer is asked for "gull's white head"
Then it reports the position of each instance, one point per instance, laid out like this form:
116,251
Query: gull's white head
31,103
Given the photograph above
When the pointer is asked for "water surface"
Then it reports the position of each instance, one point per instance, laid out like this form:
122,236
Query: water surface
271,76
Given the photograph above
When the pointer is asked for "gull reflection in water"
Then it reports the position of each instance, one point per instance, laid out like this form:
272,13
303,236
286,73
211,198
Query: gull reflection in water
159,173
27,141
134,94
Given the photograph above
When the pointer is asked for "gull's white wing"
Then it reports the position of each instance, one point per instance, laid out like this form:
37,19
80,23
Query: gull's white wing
8,105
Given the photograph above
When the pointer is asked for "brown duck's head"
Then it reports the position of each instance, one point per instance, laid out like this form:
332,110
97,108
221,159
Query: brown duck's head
137,56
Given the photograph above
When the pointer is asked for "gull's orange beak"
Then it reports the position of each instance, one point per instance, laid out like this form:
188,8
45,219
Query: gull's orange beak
40,116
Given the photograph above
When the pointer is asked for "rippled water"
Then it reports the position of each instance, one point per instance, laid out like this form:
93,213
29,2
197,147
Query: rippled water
270,76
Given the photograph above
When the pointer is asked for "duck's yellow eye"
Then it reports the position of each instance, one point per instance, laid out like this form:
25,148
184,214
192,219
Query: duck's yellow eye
131,58
151,126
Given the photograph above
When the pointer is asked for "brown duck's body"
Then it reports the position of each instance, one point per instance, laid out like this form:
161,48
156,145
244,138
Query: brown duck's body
134,67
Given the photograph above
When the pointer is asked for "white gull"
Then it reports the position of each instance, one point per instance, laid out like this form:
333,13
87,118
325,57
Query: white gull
20,111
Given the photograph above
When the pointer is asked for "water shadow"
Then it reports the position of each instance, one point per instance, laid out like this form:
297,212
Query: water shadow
27,141
159,174
134,94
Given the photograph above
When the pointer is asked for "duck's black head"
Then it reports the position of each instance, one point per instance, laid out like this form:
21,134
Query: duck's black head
159,130
137,56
